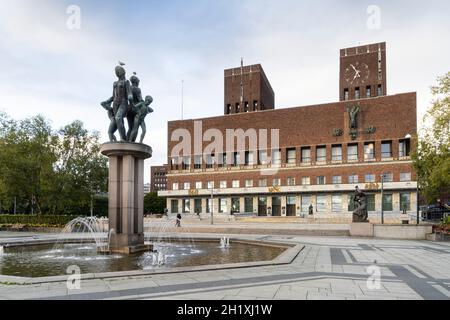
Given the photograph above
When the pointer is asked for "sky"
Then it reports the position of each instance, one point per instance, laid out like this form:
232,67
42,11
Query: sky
64,72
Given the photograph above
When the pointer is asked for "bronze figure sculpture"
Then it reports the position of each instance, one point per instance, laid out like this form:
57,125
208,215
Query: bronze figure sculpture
127,102
141,110
360,201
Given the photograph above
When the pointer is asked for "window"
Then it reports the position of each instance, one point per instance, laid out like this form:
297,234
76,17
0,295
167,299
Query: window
357,94
236,159
306,181
235,205
321,180
353,179
404,148
249,158
405,177
336,153
370,202
210,184
175,186
387,202
346,97
379,90
246,107
291,156
223,185
223,205
248,204
336,203
186,163
209,161
197,205
262,183
306,155
368,92
291,200
337,179
255,105
321,154
352,152
276,182
276,157
291,182
198,162
369,151
388,177
235,183
198,185
238,108
186,206
386,149
174,206
262,159
370,178
321,205
223,160
187,186
175,163
405,202
306,202
228,108
249,183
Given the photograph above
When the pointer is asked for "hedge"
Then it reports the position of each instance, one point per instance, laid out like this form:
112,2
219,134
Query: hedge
36,220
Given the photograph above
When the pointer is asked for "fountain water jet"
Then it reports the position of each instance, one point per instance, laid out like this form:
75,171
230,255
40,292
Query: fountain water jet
224,242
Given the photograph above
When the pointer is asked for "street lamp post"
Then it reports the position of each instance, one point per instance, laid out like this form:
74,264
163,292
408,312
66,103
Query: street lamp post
212,206
417,202
382,196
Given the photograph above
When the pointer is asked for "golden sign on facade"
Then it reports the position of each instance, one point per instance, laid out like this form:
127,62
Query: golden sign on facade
372,186
274,189
193,192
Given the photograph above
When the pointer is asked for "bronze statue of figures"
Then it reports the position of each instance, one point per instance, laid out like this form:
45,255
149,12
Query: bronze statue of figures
126,102
137,98
360,201
141,110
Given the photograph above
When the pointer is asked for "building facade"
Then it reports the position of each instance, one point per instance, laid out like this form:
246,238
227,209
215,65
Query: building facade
158,178
314,155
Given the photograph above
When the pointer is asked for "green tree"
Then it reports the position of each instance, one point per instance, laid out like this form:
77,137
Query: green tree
49,171
432,158
154,204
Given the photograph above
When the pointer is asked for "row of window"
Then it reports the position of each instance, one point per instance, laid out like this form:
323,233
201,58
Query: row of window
249,159
322,204
246,107
358,95
291,181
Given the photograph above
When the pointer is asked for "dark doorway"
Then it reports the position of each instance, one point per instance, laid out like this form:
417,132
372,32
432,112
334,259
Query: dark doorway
290,206
276,206
262,207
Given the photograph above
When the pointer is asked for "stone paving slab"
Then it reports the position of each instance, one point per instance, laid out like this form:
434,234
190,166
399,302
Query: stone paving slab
327,268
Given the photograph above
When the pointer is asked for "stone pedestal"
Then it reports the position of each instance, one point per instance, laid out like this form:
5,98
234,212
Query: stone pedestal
126,195
362,230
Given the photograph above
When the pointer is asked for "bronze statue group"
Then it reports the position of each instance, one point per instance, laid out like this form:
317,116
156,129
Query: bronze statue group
127,102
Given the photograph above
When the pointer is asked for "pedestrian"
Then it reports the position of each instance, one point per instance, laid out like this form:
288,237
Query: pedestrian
178,221
311,210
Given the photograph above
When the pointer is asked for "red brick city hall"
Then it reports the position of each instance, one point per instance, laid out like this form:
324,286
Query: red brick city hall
314,155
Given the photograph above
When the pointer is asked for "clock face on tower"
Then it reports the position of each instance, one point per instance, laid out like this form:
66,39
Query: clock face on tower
357,73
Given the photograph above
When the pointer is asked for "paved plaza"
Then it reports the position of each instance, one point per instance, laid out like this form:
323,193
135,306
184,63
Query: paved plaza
327,268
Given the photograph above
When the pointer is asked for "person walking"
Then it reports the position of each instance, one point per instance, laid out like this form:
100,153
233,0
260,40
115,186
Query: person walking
178,221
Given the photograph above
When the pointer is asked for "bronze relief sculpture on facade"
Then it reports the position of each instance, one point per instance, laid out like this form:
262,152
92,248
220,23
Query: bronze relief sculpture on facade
127,102
353,113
